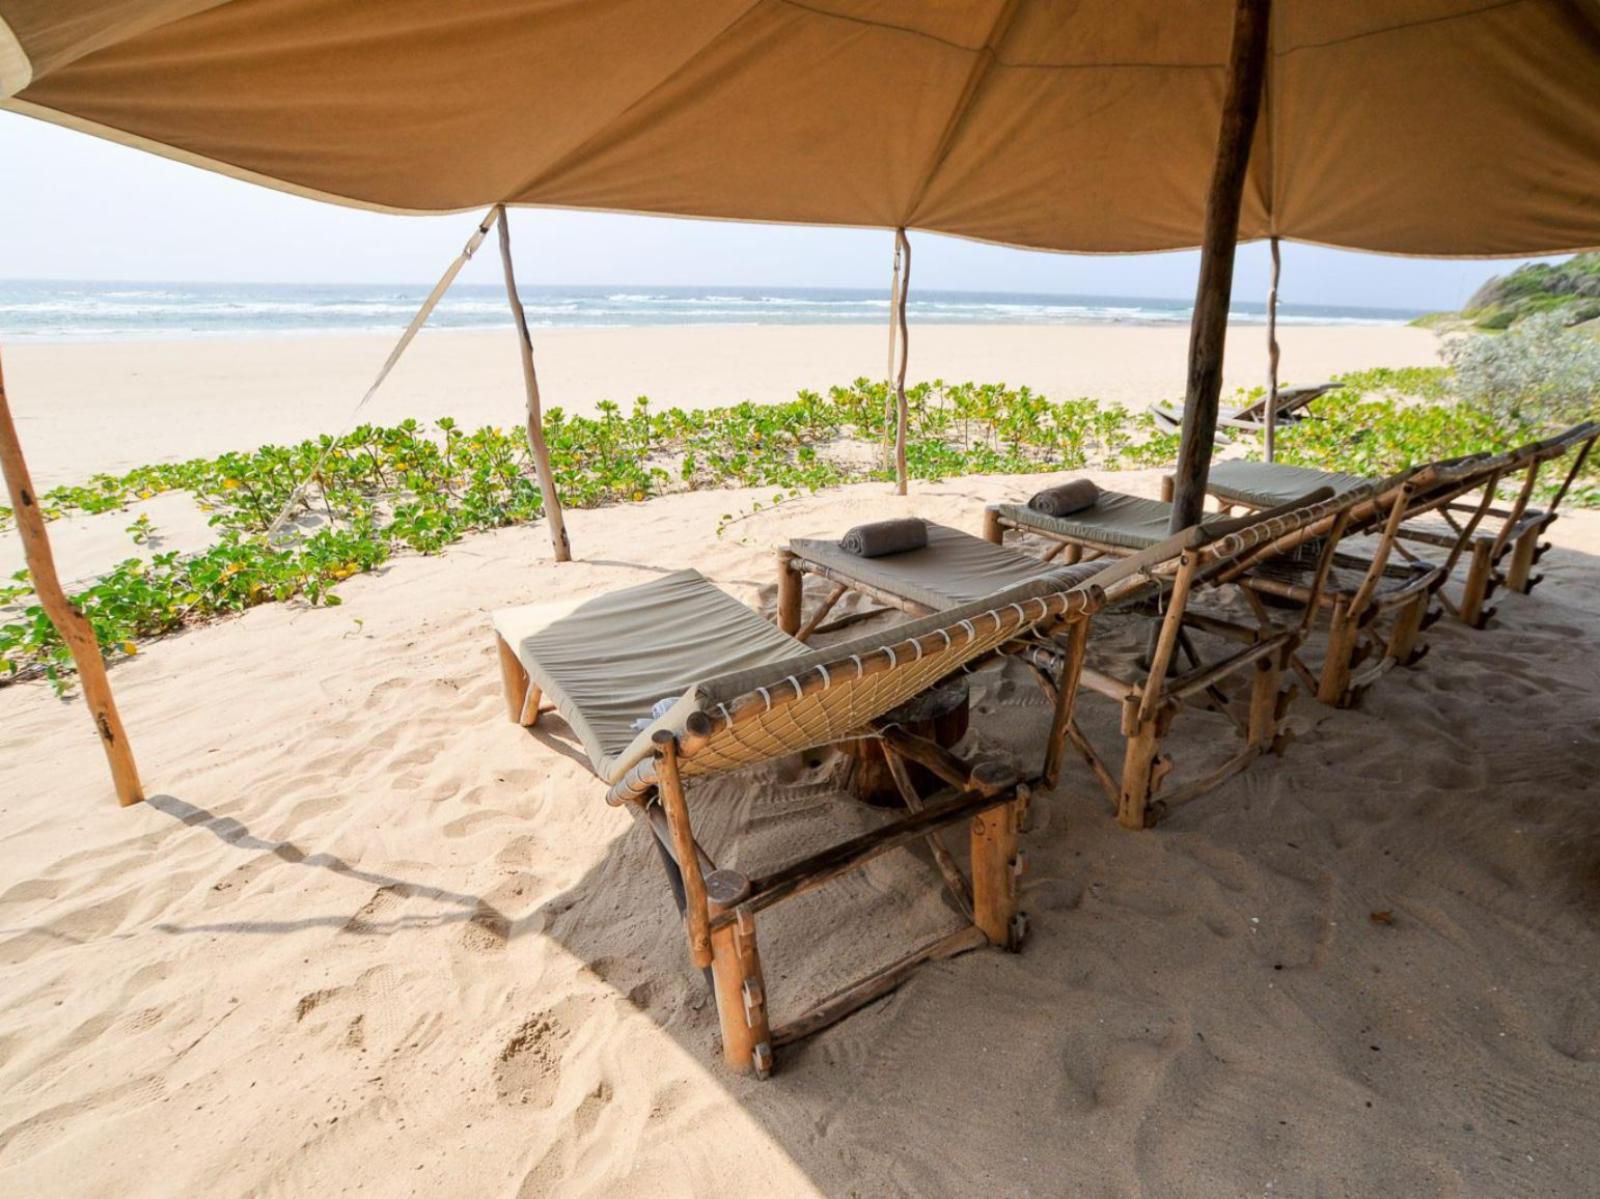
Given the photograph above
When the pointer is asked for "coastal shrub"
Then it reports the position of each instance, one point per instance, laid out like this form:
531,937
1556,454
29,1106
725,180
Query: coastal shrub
350,502
1537,375
1382,420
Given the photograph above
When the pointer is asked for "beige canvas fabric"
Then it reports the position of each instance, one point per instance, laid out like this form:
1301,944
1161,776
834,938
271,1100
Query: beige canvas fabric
1410,126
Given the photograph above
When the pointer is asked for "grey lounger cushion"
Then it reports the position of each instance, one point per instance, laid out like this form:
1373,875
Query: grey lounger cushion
954,568
1266,484
1129,521
605,661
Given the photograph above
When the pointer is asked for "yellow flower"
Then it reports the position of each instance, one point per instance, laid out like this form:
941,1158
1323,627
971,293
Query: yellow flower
129,648
230,484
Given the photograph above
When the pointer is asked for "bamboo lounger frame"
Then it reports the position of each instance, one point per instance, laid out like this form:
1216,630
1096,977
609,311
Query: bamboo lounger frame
1162,575
1516,530
1490,533
1375,619
825,703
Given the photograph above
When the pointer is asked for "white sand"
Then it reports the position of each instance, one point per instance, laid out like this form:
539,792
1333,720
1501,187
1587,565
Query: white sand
368,937
112,406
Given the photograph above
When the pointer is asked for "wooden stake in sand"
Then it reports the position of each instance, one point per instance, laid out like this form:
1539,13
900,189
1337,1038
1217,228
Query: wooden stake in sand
1272,353
71,624
903,251
530,380
1209,328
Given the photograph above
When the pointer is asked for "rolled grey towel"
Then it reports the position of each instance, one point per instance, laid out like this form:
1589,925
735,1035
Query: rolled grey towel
885,537
1066,499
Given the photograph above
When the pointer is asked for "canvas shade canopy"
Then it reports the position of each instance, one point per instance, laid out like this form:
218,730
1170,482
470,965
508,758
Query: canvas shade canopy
1436,127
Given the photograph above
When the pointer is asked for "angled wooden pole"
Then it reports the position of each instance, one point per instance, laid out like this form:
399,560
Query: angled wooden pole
903,252
1208,330
70,623
1272,354
894,325
530,380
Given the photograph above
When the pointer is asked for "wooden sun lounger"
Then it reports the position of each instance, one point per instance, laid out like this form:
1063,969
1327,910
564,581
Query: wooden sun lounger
1378,596
1501,532
1157,578
1294,404
755,694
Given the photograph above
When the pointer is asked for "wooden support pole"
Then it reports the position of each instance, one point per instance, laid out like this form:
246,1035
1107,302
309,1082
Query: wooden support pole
894,327
72,626
995,866
530,381
522,697
1524,553
1480,581
790,593
1272,355
1338,657
1066,700
903,250
1264,698
1208,331
736,978
696,913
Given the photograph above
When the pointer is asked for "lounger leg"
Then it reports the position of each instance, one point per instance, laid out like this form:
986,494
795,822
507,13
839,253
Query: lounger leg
1476,592
790,582
1265,696
1168,483
1519,576
1334,684
741,993
995,867
992,530
1139,776
522,698
1066,701
1408,626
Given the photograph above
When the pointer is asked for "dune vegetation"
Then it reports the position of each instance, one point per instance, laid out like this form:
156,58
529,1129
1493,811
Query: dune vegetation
295,521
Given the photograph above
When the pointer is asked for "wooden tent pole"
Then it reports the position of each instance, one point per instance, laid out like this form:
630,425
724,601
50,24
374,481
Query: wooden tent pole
1272,354
530,380
903,250
894,324
1209,329
73,627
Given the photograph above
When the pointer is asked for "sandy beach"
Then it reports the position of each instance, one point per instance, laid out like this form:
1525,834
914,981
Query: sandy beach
90,407
367,937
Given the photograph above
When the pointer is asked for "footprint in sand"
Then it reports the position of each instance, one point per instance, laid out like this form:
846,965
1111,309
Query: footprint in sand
528,1068
487,930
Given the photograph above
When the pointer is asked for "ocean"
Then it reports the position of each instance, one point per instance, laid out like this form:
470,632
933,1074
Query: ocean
82,311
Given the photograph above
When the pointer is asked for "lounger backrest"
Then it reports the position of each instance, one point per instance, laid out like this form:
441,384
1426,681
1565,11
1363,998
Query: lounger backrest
1292,399
835,691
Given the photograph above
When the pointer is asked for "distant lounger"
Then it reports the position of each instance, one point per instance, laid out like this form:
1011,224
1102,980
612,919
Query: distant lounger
1294,404
748,693
1156,575
1513,531
1297,569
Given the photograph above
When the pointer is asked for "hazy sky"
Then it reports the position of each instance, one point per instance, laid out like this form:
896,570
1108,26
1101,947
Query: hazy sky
75,207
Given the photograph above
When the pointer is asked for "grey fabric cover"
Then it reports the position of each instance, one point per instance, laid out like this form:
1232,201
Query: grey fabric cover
1065,499
885,537
1268,483
954,568
1129,521
1047,582
606,662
